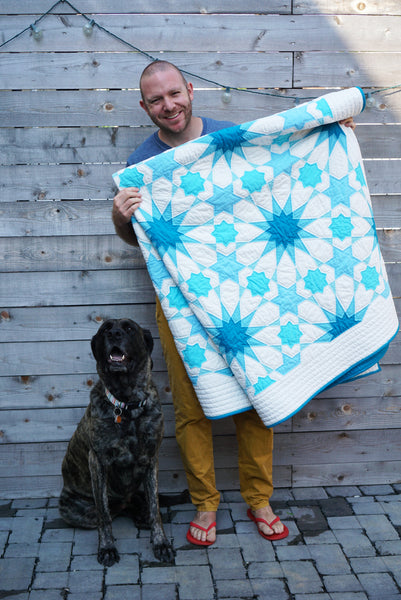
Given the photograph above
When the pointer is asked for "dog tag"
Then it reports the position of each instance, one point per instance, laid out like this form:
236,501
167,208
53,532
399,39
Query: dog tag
117,414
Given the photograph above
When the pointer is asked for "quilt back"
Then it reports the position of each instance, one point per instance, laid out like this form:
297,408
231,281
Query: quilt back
261,245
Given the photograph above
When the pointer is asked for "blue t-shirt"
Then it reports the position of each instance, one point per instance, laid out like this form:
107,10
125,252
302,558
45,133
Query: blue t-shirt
153,144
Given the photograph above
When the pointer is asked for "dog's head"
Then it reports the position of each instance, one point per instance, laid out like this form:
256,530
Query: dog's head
121,346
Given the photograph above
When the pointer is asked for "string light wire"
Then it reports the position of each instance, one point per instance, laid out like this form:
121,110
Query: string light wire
92,23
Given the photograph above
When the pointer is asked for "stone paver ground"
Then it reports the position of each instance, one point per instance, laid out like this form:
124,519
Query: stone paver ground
344,544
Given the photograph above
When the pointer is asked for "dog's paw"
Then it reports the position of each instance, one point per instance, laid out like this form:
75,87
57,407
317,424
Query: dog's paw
164,551
108,556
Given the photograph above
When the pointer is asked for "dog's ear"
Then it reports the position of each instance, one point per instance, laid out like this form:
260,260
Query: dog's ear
148,339
94,345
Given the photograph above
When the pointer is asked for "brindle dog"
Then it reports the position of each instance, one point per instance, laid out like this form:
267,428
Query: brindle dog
114,450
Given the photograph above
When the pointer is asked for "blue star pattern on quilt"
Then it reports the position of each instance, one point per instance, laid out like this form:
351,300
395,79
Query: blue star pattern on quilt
261,245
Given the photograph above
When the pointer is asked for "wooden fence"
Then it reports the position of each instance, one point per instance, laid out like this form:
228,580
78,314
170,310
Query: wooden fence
70,117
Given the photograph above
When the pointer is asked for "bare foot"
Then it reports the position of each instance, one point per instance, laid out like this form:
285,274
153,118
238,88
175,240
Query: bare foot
204,519
268,515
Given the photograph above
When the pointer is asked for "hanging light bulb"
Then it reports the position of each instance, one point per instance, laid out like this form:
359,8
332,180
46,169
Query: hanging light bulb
88,28
36,33
226,97
370,101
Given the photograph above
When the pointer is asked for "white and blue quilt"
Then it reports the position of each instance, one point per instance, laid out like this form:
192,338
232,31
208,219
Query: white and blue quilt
261,245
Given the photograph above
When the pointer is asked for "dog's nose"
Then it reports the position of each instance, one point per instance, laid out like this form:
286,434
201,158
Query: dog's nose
114,333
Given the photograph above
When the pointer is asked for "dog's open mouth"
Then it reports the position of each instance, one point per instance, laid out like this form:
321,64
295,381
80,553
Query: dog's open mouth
117,357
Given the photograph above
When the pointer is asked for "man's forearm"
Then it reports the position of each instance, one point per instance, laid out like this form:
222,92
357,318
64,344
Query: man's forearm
126,232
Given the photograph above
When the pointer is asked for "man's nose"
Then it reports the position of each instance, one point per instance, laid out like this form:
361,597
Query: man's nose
168,103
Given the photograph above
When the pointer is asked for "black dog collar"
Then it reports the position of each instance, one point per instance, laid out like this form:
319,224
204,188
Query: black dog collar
120,406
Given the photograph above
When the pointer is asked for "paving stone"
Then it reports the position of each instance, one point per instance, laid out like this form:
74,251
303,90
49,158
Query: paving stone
378,585
388,548
234,589
371,564
194,583
335,507
153,575
232,496
309,518
267,590
349,522
82,596
26,530
19,503
6,523
262,570
88,581
321,537
255,548
54,556
48,595
368,508
344,491
393,563
48,581
16,573
190,557
393,510
310,493
156,592
348,596
226,540
342,583
227,563
125,592
378,528
58,535
87,562
123,527
300,552
125,571
376,490
354,542
3,541
302,577
22,550
281,495
85,541
329,559
322,596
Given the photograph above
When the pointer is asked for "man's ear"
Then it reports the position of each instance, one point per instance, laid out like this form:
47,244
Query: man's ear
190,89
143,105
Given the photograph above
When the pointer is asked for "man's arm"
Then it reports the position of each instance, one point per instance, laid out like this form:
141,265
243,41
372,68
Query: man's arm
125,204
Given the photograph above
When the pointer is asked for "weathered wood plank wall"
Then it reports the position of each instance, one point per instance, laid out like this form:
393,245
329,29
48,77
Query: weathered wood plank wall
69,119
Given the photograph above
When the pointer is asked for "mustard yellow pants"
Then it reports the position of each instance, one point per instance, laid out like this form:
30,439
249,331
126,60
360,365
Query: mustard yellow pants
194,438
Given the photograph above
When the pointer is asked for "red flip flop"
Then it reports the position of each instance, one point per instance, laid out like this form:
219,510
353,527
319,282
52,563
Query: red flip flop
273,536
193,540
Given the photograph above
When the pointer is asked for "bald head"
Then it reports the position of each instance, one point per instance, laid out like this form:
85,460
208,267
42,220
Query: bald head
158,66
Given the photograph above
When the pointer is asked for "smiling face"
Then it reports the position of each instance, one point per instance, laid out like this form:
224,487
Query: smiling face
167,98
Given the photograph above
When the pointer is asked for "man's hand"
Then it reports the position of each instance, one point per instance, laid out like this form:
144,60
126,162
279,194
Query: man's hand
348,123
125,204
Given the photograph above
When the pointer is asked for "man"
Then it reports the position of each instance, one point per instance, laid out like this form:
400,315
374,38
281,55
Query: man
167,99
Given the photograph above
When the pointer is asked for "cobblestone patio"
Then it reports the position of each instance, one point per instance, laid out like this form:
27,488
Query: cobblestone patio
344,544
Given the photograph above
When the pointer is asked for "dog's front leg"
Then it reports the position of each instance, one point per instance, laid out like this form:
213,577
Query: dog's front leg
107,553
162,548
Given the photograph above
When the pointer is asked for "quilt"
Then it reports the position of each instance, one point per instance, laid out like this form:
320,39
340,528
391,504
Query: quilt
261,246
